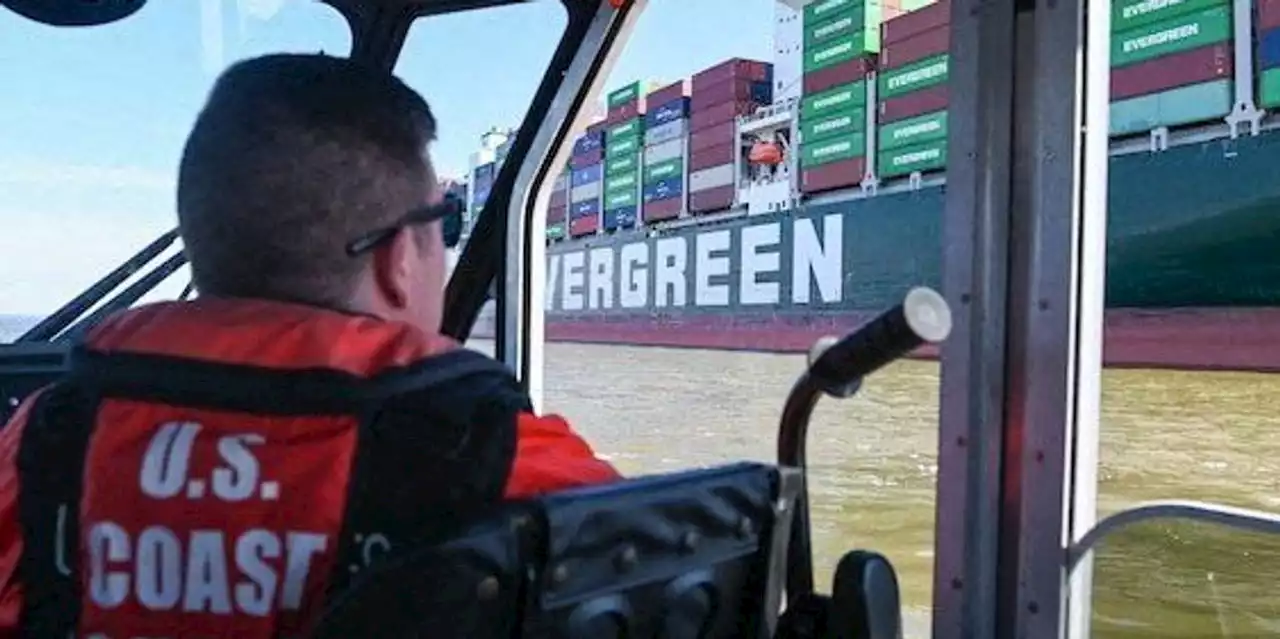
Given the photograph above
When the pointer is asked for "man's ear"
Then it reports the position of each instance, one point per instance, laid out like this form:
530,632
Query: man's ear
392,271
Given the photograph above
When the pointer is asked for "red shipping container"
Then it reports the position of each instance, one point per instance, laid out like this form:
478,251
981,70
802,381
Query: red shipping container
712,200
737,68
556,214
707,138
1173,71
835,175
669,93
712,156
934,16
912,104
734,89
667,209
1268,15
628,111
719,114
843,73
584,160
915,48
559,199
584,225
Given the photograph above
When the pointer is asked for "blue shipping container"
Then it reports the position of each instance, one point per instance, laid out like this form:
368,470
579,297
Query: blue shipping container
1269,49
588,175
669,112
585,208
663,189
620,218
588,143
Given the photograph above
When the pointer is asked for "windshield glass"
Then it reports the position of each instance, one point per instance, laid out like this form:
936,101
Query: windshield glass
93,124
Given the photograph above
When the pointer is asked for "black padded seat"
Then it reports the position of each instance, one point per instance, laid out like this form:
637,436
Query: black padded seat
687,555
25,369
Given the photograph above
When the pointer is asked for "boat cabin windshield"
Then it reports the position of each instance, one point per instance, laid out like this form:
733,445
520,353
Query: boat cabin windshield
750,176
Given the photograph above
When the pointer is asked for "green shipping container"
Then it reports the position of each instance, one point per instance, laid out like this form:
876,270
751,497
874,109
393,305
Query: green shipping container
1183,33
663,170
621,164
624,95
630,129
1186,105
1129,14
827,151
913,77
821,10
619,183
555,231
1269,88
620,199
929,156
864,17
835,100
912,131
837,124
622,147
841,49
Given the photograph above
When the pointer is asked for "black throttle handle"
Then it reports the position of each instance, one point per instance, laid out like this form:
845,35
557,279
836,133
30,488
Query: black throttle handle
922,317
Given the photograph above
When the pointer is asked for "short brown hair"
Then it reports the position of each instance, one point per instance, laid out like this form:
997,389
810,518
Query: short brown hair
291,158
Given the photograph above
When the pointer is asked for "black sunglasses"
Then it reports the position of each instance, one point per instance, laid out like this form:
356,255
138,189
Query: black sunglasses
448,211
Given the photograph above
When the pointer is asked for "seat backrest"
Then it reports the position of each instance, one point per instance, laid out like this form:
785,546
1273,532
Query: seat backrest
26,368
688,555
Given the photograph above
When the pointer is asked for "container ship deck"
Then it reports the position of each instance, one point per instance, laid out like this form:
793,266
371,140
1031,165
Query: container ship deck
760,205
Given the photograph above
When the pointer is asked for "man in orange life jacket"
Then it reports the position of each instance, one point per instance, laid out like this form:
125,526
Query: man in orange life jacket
225,466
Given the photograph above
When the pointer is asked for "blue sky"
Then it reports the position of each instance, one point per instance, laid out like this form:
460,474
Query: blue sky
92,121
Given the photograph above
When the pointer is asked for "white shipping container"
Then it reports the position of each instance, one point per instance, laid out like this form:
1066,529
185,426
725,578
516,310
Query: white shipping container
665,132
711,178
585,192
668,150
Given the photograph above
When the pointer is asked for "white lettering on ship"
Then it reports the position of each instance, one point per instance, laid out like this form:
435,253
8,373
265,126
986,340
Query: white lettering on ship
799,263
254,572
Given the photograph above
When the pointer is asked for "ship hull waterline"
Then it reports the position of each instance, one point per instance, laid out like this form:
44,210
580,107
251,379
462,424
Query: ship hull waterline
1178,339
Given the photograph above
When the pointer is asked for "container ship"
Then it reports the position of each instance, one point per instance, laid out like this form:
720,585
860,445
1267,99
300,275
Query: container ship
761,204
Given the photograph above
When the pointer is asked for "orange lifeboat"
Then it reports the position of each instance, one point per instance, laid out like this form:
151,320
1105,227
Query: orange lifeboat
765,153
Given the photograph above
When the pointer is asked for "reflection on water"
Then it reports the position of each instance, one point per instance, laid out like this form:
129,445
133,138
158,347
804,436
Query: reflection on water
1207,436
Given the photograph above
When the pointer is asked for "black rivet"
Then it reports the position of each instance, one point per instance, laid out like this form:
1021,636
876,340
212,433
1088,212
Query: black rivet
488,588
689,542
627,559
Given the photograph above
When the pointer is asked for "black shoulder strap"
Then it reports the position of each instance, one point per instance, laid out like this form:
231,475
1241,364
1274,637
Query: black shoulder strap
433,456
50,480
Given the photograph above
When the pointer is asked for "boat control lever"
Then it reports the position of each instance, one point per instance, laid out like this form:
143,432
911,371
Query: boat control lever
836,368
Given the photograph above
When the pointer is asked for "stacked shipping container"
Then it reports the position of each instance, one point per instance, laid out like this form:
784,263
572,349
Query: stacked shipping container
840,41
1171,63
558,209
665,146
622,157
586,177
481,183
912,92
719,95
1268,67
